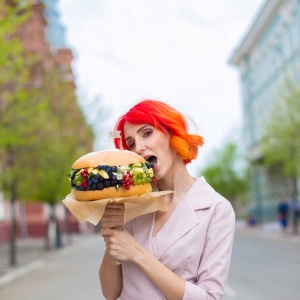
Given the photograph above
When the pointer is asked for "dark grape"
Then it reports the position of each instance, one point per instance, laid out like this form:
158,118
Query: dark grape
95,180
100,186
113,182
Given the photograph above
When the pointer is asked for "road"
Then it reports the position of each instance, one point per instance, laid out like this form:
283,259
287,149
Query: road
264,269
261,269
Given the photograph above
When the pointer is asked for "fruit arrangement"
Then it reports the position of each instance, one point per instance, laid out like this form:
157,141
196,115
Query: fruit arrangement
103,176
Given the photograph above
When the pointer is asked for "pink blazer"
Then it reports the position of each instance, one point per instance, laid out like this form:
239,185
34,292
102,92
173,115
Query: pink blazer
195,243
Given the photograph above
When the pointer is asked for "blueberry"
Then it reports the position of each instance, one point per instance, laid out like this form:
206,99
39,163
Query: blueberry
100,186
108,169
90,182
107,183
114,169
95,180
94,186
113,182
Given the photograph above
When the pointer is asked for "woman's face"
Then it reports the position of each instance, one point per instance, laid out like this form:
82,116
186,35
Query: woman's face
152,144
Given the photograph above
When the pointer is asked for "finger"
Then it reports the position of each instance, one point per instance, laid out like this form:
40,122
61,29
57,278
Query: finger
107,239
113,212
112,225
115,206
106,221
112,218
106,231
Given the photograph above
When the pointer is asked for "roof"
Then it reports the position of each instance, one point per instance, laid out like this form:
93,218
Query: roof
258,27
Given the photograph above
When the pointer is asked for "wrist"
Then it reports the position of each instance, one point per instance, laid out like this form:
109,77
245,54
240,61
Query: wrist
139,255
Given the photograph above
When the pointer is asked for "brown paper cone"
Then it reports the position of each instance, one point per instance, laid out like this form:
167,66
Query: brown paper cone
92,211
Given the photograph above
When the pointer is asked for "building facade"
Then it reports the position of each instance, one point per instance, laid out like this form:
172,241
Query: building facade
267,55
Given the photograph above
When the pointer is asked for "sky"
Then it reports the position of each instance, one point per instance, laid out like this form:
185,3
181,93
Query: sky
170,50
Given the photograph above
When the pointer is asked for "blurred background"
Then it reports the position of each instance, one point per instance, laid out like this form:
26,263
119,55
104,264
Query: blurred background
68,69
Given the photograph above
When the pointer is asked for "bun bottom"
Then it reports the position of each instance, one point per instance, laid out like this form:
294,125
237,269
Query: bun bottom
112,192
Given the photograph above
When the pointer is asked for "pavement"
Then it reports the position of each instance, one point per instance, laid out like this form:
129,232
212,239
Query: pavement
270,230
31,253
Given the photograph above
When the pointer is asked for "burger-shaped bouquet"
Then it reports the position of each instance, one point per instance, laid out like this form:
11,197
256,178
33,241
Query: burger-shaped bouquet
111,174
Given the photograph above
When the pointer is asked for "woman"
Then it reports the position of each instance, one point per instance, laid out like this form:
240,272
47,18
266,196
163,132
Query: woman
183,253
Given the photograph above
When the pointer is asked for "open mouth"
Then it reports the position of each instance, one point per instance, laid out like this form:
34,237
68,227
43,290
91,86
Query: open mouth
152,159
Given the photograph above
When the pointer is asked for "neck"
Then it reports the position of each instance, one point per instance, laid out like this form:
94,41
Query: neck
177,180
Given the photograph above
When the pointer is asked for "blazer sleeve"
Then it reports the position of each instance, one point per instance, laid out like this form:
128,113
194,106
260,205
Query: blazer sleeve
215,260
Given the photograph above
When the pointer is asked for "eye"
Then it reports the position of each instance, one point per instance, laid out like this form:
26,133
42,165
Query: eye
147,132
131,144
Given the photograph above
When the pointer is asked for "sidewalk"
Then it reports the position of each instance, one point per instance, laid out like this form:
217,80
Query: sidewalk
268,231
30,255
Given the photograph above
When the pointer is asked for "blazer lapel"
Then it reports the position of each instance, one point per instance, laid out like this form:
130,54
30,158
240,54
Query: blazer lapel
183,218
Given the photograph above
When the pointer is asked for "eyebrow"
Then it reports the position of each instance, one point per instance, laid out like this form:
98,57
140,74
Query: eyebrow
139,130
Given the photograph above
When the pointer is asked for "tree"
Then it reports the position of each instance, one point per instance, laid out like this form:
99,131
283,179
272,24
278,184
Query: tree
281,142
41,126
226,175
18,128
65,138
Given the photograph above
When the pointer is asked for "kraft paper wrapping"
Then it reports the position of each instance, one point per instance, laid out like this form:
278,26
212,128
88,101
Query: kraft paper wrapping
92,211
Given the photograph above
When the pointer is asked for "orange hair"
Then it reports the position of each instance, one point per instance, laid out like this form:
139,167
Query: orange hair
166,119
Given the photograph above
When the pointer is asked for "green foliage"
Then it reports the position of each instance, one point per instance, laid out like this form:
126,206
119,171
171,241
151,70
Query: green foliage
42,128
65,138
281,143
225,175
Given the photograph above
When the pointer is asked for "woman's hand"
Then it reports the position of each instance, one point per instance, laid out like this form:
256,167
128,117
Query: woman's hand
120,244
113,215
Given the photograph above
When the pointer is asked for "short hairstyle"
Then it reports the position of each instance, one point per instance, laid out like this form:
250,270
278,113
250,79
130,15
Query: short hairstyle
166,119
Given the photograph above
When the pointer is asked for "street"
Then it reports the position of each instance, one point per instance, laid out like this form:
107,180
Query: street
261,269
264,269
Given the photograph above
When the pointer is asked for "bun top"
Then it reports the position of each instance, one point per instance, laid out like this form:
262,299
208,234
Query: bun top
107,157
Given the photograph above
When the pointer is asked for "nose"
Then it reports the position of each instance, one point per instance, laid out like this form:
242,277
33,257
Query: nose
139,147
